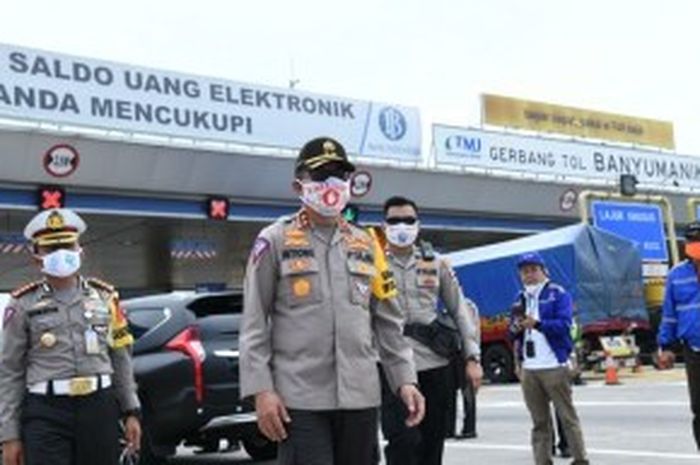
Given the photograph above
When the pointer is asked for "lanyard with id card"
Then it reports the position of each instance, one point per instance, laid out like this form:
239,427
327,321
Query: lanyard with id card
529,343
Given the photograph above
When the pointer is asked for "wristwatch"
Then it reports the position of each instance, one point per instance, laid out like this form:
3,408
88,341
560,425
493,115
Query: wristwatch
473,358
134,412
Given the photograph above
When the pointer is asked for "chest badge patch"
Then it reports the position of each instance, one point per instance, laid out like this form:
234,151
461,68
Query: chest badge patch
301,287
48,340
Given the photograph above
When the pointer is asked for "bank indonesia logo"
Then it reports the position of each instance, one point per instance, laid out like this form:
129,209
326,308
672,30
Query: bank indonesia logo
392,123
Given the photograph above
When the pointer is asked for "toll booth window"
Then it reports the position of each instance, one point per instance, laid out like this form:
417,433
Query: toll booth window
142,320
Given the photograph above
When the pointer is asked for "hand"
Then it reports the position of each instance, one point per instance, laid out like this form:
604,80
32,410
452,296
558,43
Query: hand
132,433
528,322
272,415
666,359
12,452
415,403
474,373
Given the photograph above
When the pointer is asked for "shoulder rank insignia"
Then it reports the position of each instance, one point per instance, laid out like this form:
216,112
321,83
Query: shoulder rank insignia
23,290
101,285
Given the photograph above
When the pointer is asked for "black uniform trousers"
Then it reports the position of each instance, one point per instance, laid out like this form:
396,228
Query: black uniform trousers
692,369
62,430
424,444
330,437
465,388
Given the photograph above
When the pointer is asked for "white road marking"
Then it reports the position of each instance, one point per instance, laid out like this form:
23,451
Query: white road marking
593,452
592,403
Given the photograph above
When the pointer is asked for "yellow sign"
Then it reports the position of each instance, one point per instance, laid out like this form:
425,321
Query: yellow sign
545,117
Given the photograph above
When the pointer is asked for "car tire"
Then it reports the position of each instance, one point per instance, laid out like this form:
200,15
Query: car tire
498,365
259,447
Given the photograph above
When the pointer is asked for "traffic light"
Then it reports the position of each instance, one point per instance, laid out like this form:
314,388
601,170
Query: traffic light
351,213
49,197
628,185
218,208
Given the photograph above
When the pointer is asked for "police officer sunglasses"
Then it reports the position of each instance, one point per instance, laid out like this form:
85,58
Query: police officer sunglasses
329,170
401,219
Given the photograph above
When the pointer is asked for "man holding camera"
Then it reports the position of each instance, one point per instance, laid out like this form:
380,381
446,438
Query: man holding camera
540,325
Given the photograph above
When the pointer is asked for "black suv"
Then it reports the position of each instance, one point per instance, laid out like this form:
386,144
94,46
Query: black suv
186,367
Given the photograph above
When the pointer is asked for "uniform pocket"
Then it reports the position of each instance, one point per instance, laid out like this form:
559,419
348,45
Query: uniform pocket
300,282
45,329
360,281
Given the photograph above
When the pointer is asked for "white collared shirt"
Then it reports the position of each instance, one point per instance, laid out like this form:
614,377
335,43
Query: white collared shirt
544,358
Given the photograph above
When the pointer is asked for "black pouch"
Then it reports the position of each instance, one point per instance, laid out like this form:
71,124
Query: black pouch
439,336
529,348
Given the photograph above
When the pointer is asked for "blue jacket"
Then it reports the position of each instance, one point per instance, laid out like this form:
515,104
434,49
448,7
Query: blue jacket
556,317
680,319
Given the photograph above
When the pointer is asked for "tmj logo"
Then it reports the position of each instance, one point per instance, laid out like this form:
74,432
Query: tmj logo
392,123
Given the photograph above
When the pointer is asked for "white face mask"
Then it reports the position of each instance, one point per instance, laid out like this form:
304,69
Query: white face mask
401,234
62,263
534,289
327,198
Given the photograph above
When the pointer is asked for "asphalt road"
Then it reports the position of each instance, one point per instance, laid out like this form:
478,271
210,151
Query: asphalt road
646,420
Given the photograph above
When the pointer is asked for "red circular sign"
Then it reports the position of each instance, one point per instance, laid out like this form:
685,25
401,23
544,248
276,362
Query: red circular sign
61,160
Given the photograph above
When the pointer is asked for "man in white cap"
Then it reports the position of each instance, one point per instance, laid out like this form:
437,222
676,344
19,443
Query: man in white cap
66,376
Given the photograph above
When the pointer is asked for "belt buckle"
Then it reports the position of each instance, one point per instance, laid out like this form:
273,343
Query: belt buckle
80,386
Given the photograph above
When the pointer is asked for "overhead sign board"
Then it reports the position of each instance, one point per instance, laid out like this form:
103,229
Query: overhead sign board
638,222
64,89
538,155
546,117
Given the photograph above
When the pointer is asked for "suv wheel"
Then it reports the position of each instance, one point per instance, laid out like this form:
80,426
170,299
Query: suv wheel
259,447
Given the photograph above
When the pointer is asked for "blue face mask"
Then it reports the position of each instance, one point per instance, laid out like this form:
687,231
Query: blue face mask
62,263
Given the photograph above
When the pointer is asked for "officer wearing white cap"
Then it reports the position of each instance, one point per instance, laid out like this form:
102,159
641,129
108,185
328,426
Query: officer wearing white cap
320,310
66,376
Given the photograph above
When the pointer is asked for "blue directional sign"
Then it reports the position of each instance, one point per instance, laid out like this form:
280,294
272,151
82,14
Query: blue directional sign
640,223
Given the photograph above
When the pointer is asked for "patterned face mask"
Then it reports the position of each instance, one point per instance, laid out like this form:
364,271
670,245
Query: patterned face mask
327,198
401,234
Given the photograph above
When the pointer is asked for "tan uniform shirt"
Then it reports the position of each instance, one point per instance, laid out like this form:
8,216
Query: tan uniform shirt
421,284
44,339
313,329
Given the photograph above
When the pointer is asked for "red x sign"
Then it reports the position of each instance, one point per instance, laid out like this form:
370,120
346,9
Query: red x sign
51,197
218,208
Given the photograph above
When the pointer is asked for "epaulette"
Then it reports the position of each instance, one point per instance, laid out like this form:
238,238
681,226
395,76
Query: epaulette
101,285
27,288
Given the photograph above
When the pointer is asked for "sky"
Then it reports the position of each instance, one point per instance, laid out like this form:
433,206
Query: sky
637,58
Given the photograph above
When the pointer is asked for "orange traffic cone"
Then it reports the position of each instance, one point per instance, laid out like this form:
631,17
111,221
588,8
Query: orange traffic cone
610,370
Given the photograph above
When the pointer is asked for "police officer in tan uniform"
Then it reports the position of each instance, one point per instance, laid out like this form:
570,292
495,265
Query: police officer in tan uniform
319,313
423,280
66,376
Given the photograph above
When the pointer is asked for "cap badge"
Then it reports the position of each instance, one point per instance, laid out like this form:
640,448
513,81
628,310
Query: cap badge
55,221
329,148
